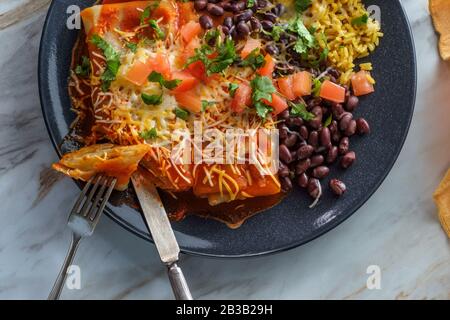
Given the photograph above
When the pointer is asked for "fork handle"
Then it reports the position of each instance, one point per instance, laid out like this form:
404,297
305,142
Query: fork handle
61,280
178,282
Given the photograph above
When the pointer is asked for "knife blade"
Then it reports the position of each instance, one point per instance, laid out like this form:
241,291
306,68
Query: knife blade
156,218
161,230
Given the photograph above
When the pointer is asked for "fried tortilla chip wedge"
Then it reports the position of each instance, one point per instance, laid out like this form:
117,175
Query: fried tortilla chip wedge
114,161
440,12
442,198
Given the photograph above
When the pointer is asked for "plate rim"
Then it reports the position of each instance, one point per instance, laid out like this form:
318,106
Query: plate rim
42,85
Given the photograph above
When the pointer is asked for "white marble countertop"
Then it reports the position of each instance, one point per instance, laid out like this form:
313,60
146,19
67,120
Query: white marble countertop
397,229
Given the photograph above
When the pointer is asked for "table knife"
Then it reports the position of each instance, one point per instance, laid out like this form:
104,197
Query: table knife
161,230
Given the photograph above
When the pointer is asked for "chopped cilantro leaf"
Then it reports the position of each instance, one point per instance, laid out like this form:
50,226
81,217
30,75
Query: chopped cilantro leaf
328,121
206,104
154,25
262,90
158,77
232,87
302,5
299,110
305,40
84,68
250,3
262,110
181,113
317,84
132,46
360,21
145,14
153,99
255,60
149,134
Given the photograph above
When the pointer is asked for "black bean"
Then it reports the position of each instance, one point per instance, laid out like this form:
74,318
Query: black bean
200,4
243,16
284,115
214,9
345,120
279,9
285,154
272,49
240,6
228,22
234,33
302,180
338,187
305,151
213,1
269,16
291,140
283,170
261,4
332,154
314,188
317,160
225,30
344,145
314,139
337,109
314,102
334,131
320,172
352,103
243,29
325,137
362,126
267,25
304,133
286,184
206,22
296,121
348,159
255,24
283,132
302,166
227,6
334,73
351,128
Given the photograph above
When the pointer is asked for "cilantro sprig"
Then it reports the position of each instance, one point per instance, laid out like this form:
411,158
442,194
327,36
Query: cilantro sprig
216,59
112,61
305,40
262,88
232,87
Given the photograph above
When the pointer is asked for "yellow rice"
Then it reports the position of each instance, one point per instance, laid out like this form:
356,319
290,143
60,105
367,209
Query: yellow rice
345,42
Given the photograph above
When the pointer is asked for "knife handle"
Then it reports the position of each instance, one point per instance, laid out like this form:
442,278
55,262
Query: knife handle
178,283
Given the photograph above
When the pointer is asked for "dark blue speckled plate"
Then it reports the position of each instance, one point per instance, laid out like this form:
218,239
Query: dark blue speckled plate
291,223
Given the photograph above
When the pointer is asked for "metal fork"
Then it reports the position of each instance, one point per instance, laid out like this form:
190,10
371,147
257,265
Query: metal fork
83,219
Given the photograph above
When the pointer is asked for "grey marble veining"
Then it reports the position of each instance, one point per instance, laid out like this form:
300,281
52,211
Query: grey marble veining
396,229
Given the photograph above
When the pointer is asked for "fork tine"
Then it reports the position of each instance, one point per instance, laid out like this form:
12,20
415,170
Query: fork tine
82,195
87,204
96,210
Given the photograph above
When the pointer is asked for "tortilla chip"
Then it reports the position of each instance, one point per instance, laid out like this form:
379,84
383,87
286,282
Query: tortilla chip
442,198
440,12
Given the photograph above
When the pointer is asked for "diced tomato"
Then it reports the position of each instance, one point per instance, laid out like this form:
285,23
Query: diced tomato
268,67
190,30
332,92
139,72
242,98
188,51
302,84
188,81
250,45
198,70
361,85
285,85
278,104
189,100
